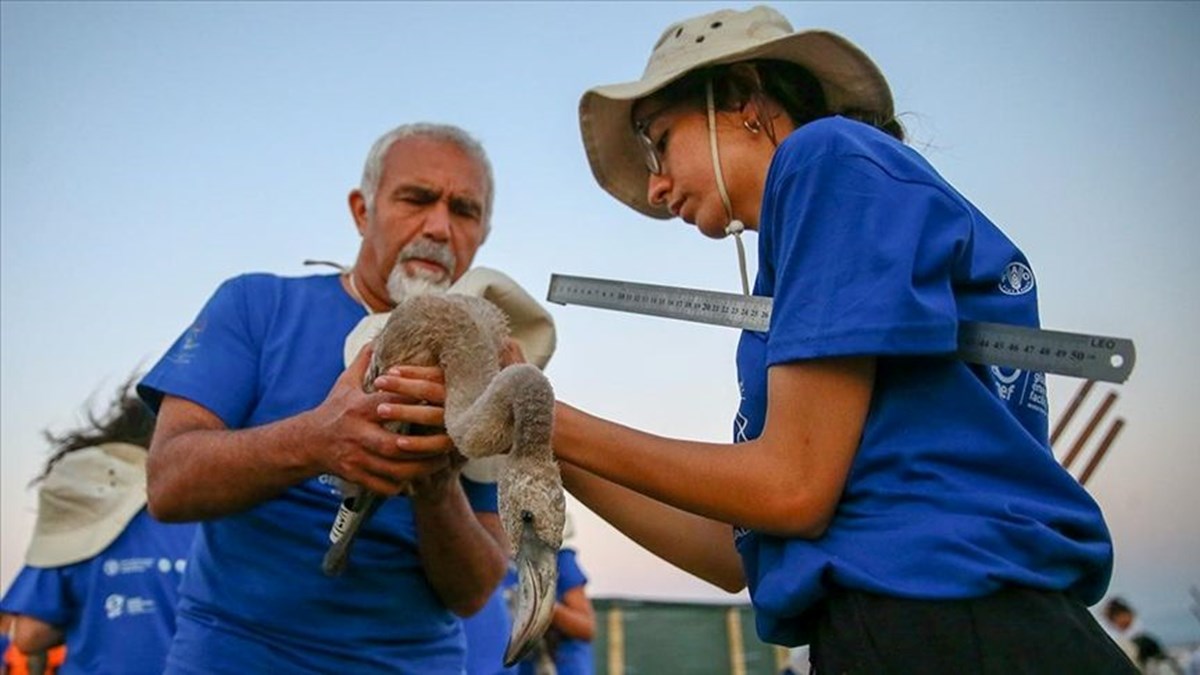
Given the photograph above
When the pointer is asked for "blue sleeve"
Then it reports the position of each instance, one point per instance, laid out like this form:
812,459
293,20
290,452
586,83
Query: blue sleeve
484,497
861,260
215,362
42,593
569,574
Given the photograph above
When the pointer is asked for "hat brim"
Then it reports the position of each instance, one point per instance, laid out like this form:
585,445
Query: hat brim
64,548
848,76
68,531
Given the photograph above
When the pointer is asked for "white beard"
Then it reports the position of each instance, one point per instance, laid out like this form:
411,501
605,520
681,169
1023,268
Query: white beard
400,285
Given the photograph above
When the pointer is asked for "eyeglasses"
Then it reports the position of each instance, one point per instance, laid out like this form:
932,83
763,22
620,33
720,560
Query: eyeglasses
650,152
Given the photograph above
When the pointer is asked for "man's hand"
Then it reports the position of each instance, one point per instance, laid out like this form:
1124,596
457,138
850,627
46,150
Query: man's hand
358,448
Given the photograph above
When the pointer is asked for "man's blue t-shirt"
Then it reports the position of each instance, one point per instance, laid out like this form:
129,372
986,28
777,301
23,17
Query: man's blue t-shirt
488,630
265,348
117,608
953,492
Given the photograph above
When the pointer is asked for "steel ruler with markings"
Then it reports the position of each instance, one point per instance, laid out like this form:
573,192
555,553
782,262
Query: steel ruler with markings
1094,357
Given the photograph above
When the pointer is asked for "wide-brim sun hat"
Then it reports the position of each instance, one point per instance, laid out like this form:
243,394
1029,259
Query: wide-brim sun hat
85,503
850,80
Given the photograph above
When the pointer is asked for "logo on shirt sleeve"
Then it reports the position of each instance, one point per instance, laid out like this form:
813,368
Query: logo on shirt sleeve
739,421
1021,388
1017,279
183,352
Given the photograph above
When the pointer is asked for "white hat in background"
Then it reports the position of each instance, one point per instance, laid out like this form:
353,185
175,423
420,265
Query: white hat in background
85,502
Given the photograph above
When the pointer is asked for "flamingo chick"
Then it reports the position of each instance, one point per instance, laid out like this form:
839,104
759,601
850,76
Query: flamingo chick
488,411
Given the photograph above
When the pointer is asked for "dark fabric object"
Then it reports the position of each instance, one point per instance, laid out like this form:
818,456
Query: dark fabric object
1014,631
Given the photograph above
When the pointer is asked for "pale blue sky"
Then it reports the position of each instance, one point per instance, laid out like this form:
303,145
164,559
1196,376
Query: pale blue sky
148,151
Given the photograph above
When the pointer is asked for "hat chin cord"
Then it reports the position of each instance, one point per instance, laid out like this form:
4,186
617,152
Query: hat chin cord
735,227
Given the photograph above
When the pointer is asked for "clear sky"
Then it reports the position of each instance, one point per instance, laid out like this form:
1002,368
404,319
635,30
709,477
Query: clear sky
150,150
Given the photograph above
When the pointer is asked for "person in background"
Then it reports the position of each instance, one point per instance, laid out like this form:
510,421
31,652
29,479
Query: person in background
1118,621
897,508
101,575
259,417
5,640
1143,648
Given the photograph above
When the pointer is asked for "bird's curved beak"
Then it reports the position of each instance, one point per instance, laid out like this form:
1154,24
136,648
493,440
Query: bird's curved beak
537,577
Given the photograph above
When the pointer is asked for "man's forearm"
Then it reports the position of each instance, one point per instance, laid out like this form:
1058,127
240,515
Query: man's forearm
209,473
463,560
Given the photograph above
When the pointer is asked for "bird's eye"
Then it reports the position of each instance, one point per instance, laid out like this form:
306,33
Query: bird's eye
527,516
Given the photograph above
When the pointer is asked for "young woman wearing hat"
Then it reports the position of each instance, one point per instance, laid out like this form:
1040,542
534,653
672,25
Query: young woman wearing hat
897,508
101,575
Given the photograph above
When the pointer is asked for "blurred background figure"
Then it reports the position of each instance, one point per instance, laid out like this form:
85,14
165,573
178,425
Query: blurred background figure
1143,648
5,627
1118,621
568,643
797,663
100,574
14,662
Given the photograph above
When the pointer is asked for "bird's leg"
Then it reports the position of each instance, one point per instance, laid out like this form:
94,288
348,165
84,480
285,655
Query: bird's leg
358,503
353,514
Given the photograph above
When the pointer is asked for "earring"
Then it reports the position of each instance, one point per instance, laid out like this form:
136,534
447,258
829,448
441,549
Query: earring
752,125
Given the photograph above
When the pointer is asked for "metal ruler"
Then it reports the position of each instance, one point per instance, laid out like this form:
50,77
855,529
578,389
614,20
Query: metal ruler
1095,357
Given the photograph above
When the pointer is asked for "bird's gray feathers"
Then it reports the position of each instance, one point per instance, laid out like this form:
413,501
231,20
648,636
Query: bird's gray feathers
488,411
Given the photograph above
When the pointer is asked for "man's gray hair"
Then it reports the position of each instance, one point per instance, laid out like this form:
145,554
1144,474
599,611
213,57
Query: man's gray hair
373,169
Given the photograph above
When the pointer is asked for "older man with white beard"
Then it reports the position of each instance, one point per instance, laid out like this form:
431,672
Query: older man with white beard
256,415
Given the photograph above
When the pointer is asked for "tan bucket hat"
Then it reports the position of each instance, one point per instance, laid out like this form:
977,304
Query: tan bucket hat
848,76
85,503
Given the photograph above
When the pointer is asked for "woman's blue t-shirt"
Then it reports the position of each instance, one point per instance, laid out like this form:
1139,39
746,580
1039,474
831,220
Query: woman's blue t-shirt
117,608
953,492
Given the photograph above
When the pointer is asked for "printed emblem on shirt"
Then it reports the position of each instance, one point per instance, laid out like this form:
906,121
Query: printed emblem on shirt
113,567
331,483
191,342
1017,279
1020,387
117,605
739,421
165,565
1037,394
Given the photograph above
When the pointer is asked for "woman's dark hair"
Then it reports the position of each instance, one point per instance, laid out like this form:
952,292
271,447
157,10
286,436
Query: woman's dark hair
127,420
793,86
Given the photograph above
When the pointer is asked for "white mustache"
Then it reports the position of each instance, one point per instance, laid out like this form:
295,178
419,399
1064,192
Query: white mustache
427,250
